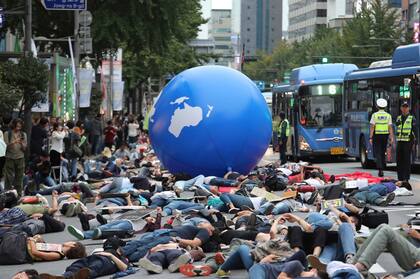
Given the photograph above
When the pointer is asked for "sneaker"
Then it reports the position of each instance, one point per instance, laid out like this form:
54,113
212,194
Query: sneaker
195,270
176,212
181,260
356,202
148,265
83,218
269,209
219,258
96,234
76,232
222,274
387,200
314,262
380,173
101,219
349,259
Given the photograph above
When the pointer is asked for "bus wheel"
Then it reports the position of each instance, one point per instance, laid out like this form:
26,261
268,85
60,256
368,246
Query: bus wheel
364,161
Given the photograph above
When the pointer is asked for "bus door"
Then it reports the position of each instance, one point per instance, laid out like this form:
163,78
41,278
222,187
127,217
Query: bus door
415,110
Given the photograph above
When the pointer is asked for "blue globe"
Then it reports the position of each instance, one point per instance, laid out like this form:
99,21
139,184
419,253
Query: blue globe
208,120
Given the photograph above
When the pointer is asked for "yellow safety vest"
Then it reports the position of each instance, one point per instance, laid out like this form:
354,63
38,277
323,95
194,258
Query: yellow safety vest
285,121
404,131
381,119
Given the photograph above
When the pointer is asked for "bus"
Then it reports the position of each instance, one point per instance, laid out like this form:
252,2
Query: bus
268,97
396,82
312,102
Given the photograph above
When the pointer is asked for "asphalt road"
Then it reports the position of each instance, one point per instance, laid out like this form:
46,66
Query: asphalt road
397,216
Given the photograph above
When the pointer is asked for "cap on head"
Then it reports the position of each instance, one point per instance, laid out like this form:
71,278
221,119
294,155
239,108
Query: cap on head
405,104
381,103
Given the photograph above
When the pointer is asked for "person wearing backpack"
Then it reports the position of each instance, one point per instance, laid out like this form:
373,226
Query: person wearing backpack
14,167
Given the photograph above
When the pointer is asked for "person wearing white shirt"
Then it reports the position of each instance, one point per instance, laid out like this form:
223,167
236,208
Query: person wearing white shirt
133,131
57,145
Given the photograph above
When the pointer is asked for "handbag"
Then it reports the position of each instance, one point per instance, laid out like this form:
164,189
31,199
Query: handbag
372,219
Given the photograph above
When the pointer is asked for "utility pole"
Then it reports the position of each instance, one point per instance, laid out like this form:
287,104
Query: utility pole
28,27
77,60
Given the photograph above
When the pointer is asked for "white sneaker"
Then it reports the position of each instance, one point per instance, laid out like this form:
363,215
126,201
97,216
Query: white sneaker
148,265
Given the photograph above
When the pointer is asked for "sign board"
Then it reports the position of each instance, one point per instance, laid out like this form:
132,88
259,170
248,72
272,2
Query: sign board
84,31
86,45
64,4
85,18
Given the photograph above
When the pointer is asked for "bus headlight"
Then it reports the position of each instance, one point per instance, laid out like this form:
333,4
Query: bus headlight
303,144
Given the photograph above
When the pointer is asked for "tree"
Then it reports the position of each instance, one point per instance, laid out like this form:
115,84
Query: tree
29,76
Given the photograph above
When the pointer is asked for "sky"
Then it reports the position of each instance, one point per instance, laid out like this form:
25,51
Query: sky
222,4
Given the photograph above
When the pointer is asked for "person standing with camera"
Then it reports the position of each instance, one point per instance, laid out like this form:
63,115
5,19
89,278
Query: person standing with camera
14,167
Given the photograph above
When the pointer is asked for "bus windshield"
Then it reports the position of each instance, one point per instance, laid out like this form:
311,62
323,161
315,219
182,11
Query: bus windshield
320,105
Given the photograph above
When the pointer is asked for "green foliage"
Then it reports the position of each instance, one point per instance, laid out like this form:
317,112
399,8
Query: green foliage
29,76
9,96
372,34
153,33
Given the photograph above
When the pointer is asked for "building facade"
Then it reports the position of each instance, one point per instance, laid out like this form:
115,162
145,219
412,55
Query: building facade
339,12
260,25
305,16
220,31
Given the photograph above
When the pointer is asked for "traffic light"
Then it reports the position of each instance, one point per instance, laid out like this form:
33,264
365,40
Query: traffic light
324,60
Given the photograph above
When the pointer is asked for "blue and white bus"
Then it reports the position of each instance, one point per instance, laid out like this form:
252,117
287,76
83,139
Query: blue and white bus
396,81
312,102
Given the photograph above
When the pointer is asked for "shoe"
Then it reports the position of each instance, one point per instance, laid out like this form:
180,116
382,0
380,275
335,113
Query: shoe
84,221
314,262
148,265
269,209
252,221
356,202
219,258
96,234
332,178
313,197
349,259
76,232
181,260
71,207
387,200
101,219
222,274
197,270
234,210
176,212
380,173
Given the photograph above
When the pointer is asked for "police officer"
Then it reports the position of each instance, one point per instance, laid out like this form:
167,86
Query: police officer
405,138
283,134
380,131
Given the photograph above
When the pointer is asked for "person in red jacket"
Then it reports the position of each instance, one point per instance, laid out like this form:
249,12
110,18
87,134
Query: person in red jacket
110,134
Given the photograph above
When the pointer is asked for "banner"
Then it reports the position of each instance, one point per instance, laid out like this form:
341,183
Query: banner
117,95
85,86
43,106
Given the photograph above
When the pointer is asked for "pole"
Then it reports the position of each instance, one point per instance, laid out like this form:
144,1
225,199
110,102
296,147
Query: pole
77,60
111,95
28,27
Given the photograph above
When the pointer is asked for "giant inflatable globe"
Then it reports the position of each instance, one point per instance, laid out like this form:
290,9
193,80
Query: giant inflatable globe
208,120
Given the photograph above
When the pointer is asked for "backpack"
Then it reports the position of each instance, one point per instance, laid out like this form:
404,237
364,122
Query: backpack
275,183
13,248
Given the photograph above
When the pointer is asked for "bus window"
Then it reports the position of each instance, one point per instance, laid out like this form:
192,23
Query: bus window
321,106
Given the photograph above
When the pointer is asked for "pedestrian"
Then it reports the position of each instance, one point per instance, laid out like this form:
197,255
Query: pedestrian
380,131
14,165
283,135
110,134
275,126
133,131
39,137
405,139
57,147
72,149
96,129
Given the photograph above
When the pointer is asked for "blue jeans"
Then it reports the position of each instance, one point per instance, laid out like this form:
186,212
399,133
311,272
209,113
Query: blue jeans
279,208
318,220
239,259
118,225
346,274
236,200
73,167
184,206
46,180
344,246
97,264
136,249
194,221
218,181
368,197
